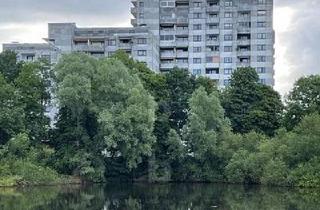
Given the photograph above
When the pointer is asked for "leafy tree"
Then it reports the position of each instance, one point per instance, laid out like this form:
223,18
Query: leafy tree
180,86
304,99
33,87
126,112
9,67
206,124
12,115
250,105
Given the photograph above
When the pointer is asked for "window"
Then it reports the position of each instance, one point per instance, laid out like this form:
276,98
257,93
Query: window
142,41
197,4
261,2
228,48
196,71
228,71
228,26
142,52
167,4
261,70
197,27
141,15
261,24
141,4
228,15
228,3
262,36
182,60
111,42
226,82
261,47
197,38
227,60
197,15
262,13
212,71
261,58
228,37
245,24
196,49
263,81
197,60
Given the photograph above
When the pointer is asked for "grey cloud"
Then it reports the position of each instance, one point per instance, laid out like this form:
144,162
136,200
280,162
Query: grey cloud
86,11
301,40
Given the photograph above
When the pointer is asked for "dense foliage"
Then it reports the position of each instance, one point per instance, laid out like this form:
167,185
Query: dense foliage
119,120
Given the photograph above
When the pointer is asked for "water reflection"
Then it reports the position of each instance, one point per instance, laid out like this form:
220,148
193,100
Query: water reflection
159,197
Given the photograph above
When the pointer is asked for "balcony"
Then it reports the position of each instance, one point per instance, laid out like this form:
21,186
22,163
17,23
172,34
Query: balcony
243,64
182,20
212,42
243,52
167,65
134,22
182,54
134,11
243,41
171,43
168,20
88,48
182,65
182,32
167,54
213,20
182,43
213,8
214,76
212,31
125,45
244,29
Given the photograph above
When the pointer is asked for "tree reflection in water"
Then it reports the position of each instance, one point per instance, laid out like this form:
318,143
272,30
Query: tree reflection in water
159,197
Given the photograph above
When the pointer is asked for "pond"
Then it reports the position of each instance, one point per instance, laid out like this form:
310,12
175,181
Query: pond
158,196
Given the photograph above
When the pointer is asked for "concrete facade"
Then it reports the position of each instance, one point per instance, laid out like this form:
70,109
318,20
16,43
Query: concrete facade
211,37
32,52
64,38
208,37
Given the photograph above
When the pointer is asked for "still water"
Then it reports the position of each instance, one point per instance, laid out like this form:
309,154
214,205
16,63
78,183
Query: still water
160,197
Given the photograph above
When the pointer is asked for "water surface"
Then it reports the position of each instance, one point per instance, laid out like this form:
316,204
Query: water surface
159,197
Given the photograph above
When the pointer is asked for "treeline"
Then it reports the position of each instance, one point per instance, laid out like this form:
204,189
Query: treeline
119,120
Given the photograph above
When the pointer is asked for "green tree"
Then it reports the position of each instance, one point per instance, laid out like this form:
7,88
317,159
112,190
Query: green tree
303,100
203,133
9,67
250,105
181,86
126,112
33,87
12,117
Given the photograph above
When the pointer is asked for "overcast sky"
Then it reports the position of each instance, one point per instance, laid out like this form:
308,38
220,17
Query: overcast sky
297,25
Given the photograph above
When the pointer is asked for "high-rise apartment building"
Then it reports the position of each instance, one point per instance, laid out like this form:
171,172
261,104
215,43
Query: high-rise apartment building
208,37
211,37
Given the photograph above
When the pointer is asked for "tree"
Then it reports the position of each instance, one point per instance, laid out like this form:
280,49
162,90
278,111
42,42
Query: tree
33,87
181,86
250,105
203,133
9,67
304,99
126,112
12,117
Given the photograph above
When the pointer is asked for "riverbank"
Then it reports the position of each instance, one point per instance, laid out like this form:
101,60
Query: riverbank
16,181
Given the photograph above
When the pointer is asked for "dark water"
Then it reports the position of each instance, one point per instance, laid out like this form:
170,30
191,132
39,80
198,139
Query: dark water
160,197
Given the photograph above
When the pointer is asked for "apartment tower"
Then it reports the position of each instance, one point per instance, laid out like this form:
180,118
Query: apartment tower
211,37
